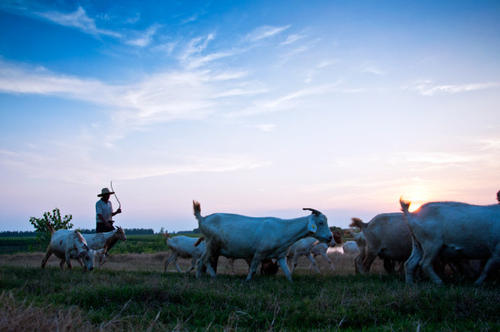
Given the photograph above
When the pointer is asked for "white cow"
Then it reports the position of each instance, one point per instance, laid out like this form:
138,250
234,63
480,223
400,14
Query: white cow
184,247
452,230
101,243
68,244
255,239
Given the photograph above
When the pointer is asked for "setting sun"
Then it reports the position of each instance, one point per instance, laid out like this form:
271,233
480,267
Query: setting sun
414,206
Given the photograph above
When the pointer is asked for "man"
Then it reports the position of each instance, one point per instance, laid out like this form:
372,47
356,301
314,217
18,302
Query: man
104,212
498,197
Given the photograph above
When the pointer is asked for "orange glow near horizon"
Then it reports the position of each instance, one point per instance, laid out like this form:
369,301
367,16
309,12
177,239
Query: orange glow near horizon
418,195
414,205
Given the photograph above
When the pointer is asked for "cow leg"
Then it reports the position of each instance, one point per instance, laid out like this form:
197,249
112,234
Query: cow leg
193,263
68,260
313,263
294,261
61,264
491,264
46,258
211,261
210,268
431,250
367,263
200,267
177,265
253,266
325,256
170,259
284,267
411,263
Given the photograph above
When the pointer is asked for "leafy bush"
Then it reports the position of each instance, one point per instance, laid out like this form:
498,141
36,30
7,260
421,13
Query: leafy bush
55,220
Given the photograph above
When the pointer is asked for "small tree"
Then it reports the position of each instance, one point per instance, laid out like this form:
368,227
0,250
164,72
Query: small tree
55,220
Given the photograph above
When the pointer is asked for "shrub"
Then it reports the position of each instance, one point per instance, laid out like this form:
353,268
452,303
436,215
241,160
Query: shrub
55,220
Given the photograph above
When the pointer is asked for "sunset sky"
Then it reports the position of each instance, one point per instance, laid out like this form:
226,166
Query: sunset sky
258,108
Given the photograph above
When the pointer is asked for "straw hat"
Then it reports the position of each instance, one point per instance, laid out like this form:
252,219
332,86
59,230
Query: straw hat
105,191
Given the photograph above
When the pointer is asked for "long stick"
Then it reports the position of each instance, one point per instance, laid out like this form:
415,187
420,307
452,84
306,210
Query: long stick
119,204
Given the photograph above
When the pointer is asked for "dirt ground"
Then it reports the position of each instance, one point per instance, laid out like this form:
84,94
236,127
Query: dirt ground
344,264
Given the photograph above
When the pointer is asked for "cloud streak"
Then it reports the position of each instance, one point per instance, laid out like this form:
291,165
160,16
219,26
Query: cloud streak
145,38
77,19
78,168
428,88
265,31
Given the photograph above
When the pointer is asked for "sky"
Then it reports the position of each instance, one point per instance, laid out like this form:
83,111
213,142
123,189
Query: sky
258,108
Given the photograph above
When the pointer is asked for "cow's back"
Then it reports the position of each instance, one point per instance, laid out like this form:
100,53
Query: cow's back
389,234
467,230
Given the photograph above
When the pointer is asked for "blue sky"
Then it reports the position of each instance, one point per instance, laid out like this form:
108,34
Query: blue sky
258,108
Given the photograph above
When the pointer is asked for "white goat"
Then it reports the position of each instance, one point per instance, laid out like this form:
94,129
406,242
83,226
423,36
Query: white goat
255,239
386,236
184,247
309,247
68,244
350,248
452,230
101,243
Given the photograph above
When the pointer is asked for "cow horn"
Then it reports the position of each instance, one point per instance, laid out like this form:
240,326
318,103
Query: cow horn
314,211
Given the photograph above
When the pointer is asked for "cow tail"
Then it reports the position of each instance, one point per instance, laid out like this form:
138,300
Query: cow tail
356,222
197,212
50,228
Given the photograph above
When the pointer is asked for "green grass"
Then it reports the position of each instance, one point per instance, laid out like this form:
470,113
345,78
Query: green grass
370,303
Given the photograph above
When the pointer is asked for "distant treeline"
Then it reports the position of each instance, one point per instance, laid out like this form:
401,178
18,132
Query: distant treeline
17,234
128,231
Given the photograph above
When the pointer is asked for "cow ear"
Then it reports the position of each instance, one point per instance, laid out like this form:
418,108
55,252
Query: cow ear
311,227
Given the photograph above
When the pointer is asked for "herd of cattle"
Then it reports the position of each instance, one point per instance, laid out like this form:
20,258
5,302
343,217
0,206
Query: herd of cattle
465,237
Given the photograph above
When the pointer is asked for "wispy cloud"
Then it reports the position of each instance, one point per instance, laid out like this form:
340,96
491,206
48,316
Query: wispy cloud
144,38
194,56
156,98
77,19
428,88
190,19
196,46
289,100
199,61
78,167
290,39
265,31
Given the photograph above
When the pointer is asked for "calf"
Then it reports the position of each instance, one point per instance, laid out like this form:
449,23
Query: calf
68,244
452,230
255,239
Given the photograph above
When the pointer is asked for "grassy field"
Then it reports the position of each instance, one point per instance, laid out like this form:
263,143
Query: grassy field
134,244
131,292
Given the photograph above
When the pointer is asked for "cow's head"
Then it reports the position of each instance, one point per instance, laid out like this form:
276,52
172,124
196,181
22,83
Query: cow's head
83,251
318,226
120,234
